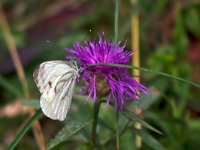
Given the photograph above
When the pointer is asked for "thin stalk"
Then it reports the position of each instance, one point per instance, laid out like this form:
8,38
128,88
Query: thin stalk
136,60
95,122
117,136
13,52
23,131
135,40
116,20
115,40
144,70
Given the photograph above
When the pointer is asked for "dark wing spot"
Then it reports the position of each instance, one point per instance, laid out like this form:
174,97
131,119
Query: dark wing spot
50,83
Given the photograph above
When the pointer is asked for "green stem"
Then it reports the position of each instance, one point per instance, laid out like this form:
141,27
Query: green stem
116,38
144,70
117,136
116,20
95,122
23,131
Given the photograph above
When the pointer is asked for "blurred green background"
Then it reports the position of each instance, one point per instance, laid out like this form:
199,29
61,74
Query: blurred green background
169,42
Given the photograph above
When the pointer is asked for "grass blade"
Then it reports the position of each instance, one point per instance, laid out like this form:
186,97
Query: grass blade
145,70
134,117
26,127
150,140
68,130
116,20
35,103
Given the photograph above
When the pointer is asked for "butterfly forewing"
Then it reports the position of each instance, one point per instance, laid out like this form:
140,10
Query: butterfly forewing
49,71
55,80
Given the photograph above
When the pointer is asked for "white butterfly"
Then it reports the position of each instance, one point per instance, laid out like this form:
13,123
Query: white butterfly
56,80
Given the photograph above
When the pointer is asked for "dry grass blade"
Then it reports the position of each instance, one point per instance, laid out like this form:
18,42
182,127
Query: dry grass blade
136,60
13,52
13,109
20,72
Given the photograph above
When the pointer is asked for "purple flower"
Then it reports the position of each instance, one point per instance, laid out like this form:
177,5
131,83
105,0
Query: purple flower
106,81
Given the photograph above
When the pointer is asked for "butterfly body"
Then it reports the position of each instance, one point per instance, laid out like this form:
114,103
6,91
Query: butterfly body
55,81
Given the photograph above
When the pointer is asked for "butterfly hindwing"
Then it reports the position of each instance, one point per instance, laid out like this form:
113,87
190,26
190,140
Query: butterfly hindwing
63,97
55,80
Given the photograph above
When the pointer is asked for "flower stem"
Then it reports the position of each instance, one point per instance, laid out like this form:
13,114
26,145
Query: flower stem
95,122
136,60
116,20
117,136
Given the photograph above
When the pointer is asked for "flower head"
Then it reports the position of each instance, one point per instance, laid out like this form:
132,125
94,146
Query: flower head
106,81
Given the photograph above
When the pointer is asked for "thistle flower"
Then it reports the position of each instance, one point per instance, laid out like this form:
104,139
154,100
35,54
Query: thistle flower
106,81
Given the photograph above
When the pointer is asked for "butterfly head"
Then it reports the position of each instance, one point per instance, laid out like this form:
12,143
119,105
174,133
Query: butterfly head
74,64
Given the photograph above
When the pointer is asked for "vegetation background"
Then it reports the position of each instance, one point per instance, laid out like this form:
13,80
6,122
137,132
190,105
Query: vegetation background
169,42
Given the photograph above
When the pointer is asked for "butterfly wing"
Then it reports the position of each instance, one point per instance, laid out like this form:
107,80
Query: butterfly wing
58,108
55,80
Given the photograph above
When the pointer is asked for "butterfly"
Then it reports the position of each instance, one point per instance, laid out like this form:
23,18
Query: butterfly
56,81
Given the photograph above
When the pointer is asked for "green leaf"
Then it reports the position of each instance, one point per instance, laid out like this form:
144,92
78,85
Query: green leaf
69,129
134,117
150,140
145,70
35,103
